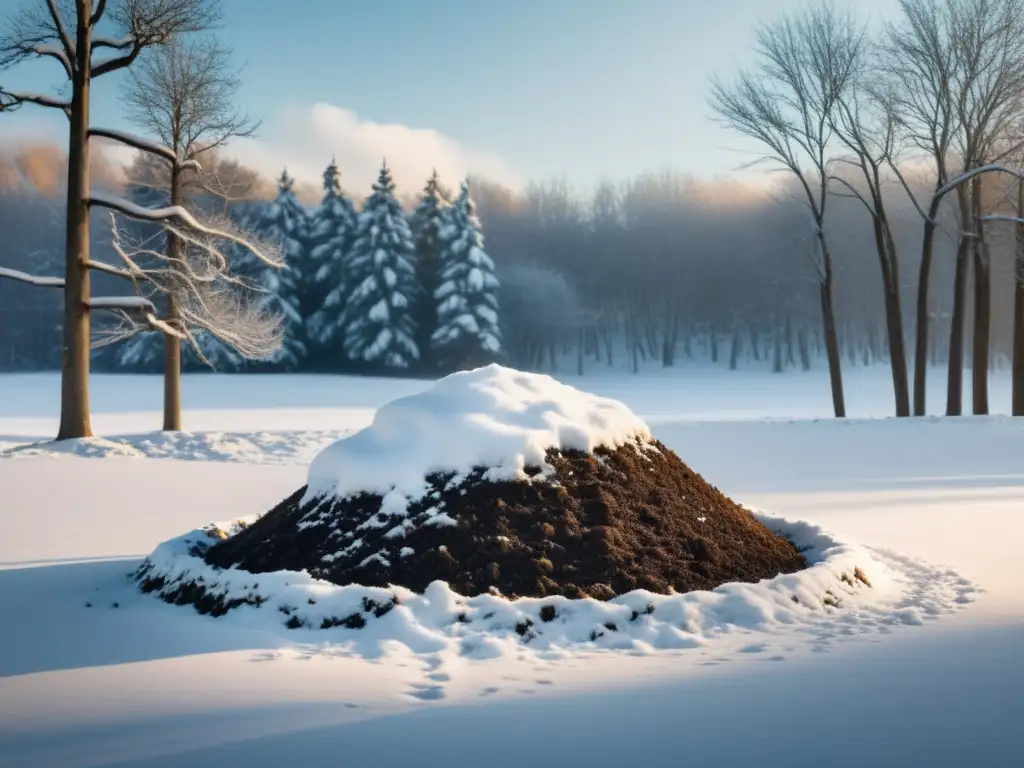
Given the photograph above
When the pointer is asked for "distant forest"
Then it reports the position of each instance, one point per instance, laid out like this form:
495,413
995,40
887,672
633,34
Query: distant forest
663,268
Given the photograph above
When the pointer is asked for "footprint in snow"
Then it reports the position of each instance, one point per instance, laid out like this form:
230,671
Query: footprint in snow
544,682
439,677
490,691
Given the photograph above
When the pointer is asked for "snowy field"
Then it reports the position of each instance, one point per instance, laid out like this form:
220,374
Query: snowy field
131,681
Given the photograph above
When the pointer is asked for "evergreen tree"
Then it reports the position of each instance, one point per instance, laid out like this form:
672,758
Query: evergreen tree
468,332
427,222
379,324
332,232
285,221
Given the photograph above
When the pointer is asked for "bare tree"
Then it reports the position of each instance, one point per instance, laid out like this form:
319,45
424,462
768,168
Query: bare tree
196,286
788,105
990,47
865,123
67,33
959,65
183,93
921,61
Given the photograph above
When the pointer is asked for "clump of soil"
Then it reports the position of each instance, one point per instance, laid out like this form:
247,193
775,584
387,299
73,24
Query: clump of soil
602,524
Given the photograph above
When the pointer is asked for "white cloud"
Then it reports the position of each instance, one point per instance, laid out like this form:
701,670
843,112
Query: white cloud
305,139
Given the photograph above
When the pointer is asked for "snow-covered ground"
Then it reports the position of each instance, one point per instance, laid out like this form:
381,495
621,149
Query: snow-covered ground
129,680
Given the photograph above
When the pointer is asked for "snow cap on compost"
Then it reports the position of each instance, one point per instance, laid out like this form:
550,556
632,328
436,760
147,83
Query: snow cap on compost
495,418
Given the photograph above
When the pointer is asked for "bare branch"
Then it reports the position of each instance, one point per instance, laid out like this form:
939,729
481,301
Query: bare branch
97,15
894,167
123,303
196,279
62,32
184,94
53,52
968,175
39,281
855,194
175,214
110,269
151,23
144,145
12,100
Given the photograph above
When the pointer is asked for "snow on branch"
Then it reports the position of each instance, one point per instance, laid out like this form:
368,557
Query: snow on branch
62,32
118,44
11,100
132,273
176,214
152,23
144,145
968,175
124,303
201,291
101,8
1003,217
53,52
36,280
167,329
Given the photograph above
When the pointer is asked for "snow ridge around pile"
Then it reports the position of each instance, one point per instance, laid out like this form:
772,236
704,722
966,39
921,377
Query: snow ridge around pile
848,590
492,417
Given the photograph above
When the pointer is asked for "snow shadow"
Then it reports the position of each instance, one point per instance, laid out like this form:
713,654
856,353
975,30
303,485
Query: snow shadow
69,615
895,695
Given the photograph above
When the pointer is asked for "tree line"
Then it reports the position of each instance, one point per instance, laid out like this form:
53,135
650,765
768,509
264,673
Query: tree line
843,110
896,228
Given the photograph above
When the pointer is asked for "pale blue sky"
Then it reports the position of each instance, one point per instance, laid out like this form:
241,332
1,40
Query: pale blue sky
583,89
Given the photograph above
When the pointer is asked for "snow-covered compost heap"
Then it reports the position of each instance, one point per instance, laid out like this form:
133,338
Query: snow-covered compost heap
495,480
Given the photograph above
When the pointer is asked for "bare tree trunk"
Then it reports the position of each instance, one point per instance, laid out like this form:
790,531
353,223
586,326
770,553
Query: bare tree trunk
172,377
897,351
754,346
805,350
921,332
172,345
835,371
581,351
982,306
714,343
790,356
955,366
74,402
1018,311
737,344
777,350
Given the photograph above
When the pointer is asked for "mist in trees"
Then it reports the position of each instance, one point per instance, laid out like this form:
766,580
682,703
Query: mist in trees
892,237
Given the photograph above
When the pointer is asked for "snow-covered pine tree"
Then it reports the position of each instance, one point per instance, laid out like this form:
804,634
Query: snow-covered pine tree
333,230
426,223
380,329
285,221
468,332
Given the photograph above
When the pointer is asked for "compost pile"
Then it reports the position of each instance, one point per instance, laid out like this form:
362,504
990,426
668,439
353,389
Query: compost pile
511,483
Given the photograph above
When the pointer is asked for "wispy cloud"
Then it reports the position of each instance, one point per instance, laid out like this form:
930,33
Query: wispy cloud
304,139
